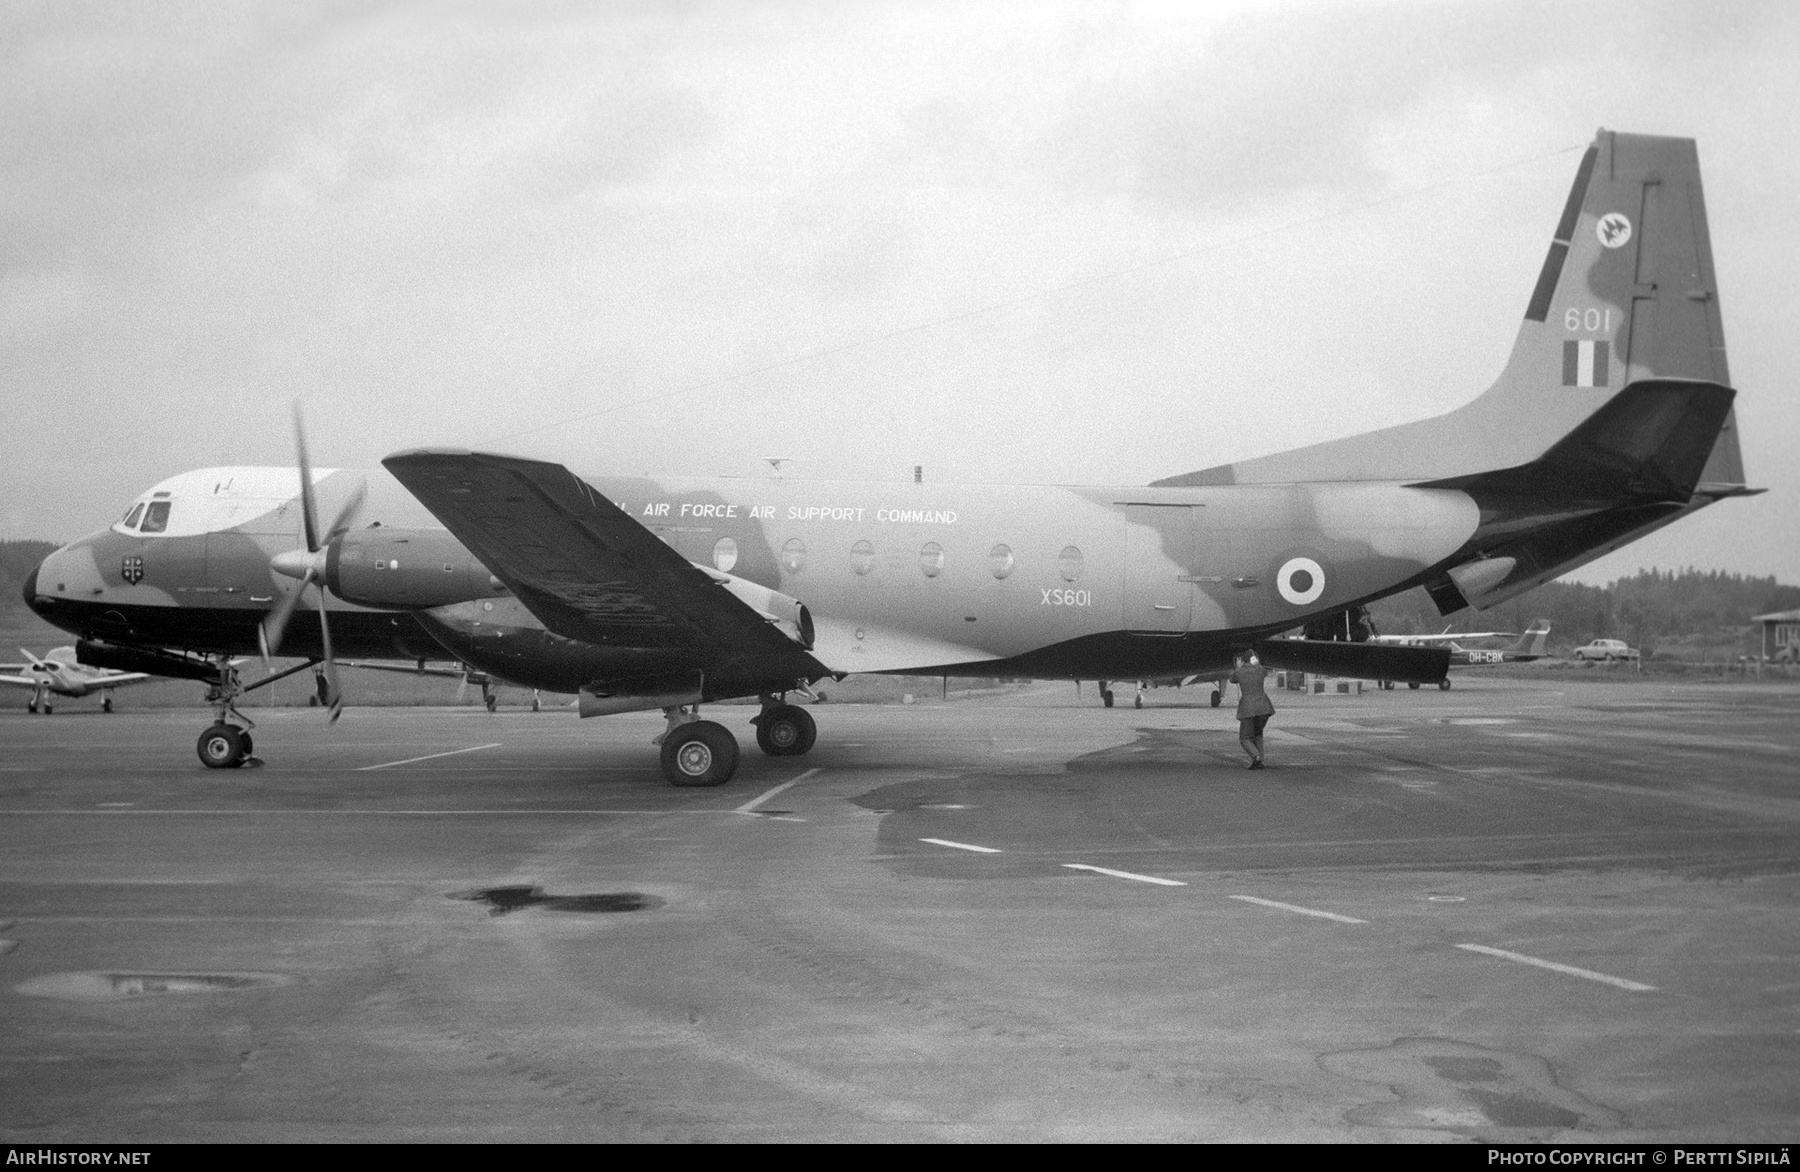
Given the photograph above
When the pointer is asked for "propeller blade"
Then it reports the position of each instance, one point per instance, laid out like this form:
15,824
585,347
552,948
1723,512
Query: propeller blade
335,697
462,686
309,507
274,624
341,523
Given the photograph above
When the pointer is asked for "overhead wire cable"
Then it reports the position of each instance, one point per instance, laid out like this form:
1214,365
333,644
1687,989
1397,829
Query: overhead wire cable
1038,295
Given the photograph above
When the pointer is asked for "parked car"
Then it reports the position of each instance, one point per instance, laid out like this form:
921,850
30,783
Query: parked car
1605,649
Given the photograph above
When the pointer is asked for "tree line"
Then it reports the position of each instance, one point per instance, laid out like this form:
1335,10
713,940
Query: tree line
1649,608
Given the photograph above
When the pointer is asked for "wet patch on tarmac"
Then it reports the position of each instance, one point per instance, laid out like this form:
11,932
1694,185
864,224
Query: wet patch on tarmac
1163,748
501,900
1452,1086
111,986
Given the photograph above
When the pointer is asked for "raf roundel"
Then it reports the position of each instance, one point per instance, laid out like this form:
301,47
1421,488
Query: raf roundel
1300,580
1614,229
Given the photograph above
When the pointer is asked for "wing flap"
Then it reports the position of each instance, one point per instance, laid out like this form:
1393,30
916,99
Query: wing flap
586,568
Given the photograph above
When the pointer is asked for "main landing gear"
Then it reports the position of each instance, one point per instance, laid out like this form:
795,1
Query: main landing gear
698,752
784,730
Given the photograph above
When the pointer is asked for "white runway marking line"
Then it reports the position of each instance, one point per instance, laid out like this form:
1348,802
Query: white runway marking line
1305,911
963,846
1571,970
430,756
749,807
1125,875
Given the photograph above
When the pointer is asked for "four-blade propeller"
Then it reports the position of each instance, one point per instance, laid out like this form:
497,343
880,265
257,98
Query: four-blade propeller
308,566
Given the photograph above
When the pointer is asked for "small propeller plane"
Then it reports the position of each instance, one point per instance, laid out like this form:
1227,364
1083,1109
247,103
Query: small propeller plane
1529,646
60,674
1612,417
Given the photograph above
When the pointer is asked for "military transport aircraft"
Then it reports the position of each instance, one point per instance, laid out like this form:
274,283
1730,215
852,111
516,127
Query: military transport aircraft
60,674
1612,417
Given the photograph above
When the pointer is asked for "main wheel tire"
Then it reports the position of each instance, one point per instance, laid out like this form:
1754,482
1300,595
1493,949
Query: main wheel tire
1444,685
1217,699
48,710
493,702
31,708
223,747
785,731
1106,698
1137,701
1413,686
106,703
699,753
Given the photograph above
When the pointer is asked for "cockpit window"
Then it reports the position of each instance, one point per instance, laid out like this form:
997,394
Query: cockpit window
157,519
131,518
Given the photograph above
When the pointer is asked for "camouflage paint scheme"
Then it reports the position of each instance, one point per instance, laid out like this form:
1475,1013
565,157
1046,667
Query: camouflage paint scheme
204,583
1553,466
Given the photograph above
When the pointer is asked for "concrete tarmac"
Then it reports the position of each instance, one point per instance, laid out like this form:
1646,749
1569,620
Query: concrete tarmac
1545,910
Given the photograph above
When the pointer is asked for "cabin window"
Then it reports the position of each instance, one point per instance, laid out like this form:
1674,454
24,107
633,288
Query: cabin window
157,519
793,555
931,559
862,557
1000,560
1069,561
724,555
131,518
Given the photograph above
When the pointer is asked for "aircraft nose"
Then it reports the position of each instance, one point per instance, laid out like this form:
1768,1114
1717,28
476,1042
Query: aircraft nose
30,588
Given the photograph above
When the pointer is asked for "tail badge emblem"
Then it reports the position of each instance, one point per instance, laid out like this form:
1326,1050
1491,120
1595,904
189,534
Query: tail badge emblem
1614,229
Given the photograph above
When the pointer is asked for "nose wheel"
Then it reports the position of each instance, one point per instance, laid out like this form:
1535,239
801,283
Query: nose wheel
224,746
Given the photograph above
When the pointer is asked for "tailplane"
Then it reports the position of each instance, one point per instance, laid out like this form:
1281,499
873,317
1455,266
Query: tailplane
1626,295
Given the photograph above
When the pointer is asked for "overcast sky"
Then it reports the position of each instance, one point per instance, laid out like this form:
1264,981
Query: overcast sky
1010,241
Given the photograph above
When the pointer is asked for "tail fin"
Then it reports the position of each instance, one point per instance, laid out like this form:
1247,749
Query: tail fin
1532,643
1626,294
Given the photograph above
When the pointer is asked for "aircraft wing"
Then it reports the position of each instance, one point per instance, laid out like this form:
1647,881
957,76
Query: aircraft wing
21,681
587,569
1446,637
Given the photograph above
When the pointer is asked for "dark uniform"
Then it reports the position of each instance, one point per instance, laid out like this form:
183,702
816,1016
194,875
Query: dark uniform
1254,709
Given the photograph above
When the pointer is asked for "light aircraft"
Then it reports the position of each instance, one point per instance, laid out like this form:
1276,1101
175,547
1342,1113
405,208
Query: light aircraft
1612,417
1446,636
60,674
1530,646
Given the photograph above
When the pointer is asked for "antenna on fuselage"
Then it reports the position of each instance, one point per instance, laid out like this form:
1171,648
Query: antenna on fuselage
775,463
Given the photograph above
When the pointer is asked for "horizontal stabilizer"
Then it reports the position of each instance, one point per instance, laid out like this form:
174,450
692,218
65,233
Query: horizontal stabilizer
1650,441
1367,661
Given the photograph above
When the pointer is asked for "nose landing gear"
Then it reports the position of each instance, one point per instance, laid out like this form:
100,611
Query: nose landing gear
226,745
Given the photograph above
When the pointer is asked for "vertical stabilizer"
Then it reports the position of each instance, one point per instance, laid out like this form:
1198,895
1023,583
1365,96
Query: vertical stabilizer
1626,293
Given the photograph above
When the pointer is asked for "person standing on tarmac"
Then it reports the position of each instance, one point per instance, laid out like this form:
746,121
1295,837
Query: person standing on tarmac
1254,706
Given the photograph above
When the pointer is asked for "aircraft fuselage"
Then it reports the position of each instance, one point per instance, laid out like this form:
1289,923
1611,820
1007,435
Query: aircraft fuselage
954,579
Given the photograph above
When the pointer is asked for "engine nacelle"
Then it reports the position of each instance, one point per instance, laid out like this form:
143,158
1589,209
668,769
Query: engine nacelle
406,569
787,614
